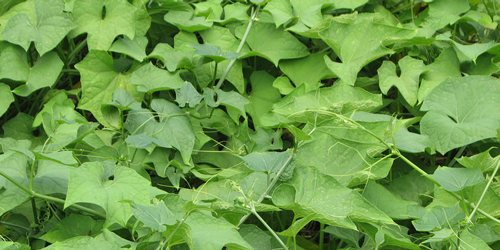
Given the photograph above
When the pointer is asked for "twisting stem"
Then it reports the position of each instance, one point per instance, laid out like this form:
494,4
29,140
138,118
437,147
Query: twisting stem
253,17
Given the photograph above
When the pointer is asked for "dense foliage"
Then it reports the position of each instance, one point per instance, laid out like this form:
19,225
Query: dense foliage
281,124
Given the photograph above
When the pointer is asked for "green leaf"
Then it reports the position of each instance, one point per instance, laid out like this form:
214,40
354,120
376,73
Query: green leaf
455,179
72,226
407,83
207,232
272,43
262,97
444,12
446,65
257,238
317,106
51,26
187,94
412,142
461,111
151,79
358,40
310,69
172,58
145,142
26,7
311,192
14,165
155,217
6,98
473,51
99,80
483,160
20,128
437,217
350,236
186,20
119,19
348,4
232,100
469,241
135,48
85,242
392,205
111,187
15,66
269,162
174,128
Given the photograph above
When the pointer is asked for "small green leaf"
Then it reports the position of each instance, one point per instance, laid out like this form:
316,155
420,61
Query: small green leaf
437,217
255,236
310,69
483,160
110,186
407,83
392,205
52,25
14,165
172,58
187,94
444,12
272,43
262,97
151,79
72,226
469,241
118,20
461,111
145,142
455,179
155,217
214,52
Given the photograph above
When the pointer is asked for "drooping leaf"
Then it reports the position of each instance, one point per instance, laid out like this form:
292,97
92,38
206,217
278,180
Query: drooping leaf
310,69
455,179
444,12
51,26
6,98
151,79
186,20
111,187
134,48
155,217
174,127
102,28
99,81
461,111
15,66
311,192
187,94
407,83
358,39
272,43
268,162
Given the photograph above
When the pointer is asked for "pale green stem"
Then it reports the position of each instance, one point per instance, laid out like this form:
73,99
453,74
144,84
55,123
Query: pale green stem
253,17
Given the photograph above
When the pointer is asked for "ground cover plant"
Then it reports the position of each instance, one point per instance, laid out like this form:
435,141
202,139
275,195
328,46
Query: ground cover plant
235,124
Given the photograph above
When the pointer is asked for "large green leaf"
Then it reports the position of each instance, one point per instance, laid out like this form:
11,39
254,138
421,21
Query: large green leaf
268,162
392,205
110,188
6,98
99,80
134,48
155,217
14,165
186,20
311,192
455,179
262,97
272,43
72,226
407,82
358,39
462,111
102,28
310,69
25,7
51,26
15,66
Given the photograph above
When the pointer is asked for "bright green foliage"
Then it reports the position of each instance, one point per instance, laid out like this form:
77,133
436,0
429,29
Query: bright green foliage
216,124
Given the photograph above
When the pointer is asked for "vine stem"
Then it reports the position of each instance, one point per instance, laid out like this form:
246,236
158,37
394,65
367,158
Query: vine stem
485,190
33,194
253,17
